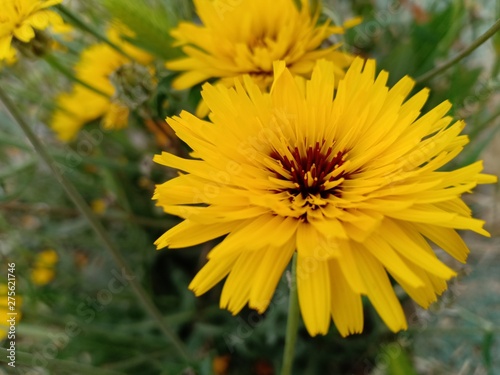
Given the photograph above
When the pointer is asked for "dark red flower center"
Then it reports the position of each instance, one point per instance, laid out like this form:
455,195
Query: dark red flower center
310,172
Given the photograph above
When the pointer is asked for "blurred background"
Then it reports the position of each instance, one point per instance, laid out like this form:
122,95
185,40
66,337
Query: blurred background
79,314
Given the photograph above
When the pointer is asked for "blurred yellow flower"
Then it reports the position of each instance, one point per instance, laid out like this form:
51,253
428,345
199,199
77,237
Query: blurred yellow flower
98,206
65,33
96,66
43,271
65,30
20,18
4,310
356,190
10,58
246,38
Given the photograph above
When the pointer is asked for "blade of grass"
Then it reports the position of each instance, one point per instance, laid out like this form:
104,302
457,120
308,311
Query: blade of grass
475,149
75,20
478,129
466,52
52,61
488,341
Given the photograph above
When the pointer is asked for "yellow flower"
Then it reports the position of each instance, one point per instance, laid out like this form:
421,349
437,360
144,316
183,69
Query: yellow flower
5,310
43,271
20,18
82,105
75,109
65,33
349,180
245,38
9,59
98,206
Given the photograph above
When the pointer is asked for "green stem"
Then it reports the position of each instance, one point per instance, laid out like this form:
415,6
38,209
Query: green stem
96,225
72,18
292,324
58,365
52,61
441,68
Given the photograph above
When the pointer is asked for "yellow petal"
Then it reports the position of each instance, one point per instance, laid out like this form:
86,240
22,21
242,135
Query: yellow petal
391,260
447,239
379,291
312,244
189,233
414,249
350,270
313,287
211,274
425,294
273,263
24,33
236,291
255,234
347,307
5,46
351,22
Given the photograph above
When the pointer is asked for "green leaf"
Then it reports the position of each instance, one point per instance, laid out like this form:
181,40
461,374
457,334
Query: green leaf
435,38
461,83
150,21
398,360
486,347
15,170
457,89
416,51
473,151
496,45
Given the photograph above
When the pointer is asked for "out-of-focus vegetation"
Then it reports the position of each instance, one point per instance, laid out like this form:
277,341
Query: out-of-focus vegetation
86,318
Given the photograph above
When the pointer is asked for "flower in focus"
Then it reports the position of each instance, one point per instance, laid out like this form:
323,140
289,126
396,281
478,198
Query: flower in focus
43,271
6,308
246,38
19,20
97,66
355,191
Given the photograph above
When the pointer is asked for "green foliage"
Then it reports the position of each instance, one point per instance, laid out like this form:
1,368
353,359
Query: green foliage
115,170
398,360
425,43
151,22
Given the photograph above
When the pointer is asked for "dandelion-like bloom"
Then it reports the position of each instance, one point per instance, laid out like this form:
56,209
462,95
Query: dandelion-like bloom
349,180
247,36
20,18
96,66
